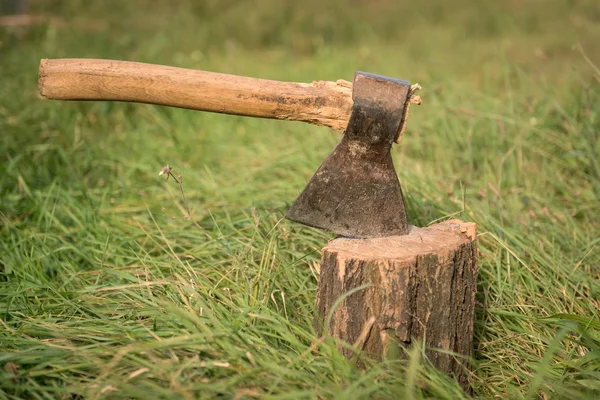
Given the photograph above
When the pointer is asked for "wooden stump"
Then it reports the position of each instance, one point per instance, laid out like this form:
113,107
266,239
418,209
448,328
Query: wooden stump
420,286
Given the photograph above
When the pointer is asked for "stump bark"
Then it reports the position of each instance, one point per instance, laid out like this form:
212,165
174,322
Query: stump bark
418,286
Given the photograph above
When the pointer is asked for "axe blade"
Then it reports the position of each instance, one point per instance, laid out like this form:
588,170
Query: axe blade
356,191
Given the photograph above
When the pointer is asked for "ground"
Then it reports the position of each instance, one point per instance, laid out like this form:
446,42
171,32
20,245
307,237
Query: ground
107,289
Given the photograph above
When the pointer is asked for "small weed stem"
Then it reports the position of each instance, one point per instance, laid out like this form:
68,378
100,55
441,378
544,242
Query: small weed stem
168,171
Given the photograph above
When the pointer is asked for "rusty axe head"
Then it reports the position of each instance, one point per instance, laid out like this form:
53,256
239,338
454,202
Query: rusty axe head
356,191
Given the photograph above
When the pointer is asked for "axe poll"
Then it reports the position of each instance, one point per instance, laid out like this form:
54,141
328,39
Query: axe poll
356,191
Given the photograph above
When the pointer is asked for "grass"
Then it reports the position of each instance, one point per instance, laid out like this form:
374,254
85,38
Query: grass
108,291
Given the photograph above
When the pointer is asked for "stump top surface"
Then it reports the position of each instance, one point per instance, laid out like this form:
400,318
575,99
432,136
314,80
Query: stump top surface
433,239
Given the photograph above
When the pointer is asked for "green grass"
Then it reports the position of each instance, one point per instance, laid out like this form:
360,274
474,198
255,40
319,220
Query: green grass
107,291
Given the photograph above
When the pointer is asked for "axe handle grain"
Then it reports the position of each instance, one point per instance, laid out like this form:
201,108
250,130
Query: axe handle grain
321,103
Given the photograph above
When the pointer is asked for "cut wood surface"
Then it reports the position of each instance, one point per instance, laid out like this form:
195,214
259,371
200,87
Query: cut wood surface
419,286
321,103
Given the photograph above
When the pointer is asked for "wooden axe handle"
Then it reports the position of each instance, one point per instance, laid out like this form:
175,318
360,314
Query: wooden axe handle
320,103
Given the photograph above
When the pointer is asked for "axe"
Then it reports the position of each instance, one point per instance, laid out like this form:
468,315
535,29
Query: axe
354,193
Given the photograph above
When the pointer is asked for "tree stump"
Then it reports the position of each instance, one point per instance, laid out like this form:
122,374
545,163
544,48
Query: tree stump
418,286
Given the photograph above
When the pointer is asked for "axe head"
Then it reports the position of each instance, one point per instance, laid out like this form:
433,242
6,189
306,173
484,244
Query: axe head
356,191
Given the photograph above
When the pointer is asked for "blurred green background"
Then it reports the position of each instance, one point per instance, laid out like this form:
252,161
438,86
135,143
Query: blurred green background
108,290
